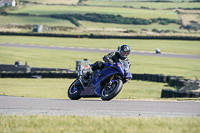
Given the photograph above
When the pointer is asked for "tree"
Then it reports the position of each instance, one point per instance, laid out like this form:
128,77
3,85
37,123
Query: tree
164,22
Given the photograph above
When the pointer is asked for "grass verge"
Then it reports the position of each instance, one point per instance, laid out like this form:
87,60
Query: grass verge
189,68
57,88
74,124
173,46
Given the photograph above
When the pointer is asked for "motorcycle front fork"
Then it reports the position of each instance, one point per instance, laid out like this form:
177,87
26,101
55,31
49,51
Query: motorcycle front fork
110,82
80,79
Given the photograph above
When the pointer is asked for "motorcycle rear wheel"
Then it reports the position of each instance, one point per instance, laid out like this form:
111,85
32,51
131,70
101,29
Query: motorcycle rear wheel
74,93
114,90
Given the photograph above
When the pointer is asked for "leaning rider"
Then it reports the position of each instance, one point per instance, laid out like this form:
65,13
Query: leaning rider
111,58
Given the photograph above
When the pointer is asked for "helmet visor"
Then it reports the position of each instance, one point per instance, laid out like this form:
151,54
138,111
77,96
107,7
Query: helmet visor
125,54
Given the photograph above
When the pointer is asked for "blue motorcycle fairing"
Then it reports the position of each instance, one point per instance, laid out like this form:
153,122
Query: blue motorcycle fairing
89,92
116,66
94,89
129,76
101,76
95,85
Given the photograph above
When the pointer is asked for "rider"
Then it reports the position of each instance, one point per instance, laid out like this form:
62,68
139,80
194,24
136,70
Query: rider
111,58
122,54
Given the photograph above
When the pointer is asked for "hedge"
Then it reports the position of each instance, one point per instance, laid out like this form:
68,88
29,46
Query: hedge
103,36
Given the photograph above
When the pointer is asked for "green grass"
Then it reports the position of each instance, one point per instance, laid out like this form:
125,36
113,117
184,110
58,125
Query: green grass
88,24
55,2
75,124
5,20
45,58
40,88
142,90
173,46
157,5
57,88
188,68
135,0
18,20
126,12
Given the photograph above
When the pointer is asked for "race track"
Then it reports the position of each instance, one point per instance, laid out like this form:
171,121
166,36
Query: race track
119,108
101,50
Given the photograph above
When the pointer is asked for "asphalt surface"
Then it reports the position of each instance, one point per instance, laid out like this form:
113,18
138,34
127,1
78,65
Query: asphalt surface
117,108
101,50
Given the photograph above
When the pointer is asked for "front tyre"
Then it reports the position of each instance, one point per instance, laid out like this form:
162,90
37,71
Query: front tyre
73,92
110,91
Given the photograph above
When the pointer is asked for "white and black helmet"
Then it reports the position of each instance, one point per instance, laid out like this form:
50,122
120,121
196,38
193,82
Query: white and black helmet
124,51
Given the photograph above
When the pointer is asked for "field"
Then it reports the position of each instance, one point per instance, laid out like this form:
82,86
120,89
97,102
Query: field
127,3
141,0
55,2
86,28
186,18
86,25
125,8
156,5
104,26
74,124
14,20
126,12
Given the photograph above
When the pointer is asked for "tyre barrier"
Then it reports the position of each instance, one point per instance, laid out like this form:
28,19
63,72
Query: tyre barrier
168,93
183,86
37,75
150,77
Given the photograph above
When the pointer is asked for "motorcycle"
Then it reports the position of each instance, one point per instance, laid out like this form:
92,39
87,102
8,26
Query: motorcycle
106,83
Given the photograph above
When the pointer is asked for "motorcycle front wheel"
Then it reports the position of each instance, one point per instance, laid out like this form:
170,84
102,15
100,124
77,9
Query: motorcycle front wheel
73,92
110,91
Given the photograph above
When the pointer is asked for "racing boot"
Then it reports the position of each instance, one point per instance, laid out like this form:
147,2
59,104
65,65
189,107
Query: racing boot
95,72
86,78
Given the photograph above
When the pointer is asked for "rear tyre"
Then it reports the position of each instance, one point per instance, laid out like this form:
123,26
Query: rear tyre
108,93
73,92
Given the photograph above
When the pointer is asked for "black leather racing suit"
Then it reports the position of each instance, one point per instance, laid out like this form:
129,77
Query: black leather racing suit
113,57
